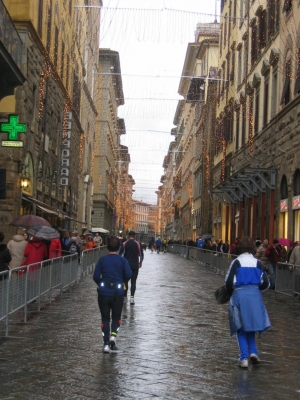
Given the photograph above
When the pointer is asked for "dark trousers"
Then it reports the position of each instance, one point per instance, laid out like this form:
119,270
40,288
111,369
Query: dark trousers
114,305
133,280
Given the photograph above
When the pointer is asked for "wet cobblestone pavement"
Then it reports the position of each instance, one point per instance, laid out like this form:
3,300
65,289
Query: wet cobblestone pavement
174,344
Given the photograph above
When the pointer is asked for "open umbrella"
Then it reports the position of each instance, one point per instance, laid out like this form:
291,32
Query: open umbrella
286,242
27,221
43,232
207,236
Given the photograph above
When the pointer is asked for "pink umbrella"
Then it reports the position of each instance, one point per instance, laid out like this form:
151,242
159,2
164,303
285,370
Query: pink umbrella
286,242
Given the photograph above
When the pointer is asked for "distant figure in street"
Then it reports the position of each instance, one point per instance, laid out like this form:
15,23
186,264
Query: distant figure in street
261,253
89,244
110,274
200,243
5,256
158,244
66,241
273,254
247,313
98,240
16,247
151,244
234,247
225,247
164,244
133,252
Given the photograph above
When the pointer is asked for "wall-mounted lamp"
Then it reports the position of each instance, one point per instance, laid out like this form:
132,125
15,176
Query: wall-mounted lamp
24,178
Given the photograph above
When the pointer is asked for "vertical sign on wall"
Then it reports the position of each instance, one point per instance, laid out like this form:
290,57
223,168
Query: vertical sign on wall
65,150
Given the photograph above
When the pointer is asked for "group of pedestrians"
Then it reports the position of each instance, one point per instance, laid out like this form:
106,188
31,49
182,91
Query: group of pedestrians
23,250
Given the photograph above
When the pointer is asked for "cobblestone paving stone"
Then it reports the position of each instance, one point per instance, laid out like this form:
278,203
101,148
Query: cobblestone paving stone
174,342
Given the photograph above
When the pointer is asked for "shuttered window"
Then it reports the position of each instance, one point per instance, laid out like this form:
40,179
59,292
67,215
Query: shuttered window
285,97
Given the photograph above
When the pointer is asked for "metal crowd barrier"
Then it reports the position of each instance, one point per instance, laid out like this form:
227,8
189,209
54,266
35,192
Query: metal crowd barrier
90,257
287,275
288,279
21,286
218,262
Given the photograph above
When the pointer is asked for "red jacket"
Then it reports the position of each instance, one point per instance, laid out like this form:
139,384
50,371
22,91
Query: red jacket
273,253
55,248
35,251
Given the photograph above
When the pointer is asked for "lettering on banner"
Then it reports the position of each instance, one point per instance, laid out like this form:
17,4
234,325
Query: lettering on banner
65,152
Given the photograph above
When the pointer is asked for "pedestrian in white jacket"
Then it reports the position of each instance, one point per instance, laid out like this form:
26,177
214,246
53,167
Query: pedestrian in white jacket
16,248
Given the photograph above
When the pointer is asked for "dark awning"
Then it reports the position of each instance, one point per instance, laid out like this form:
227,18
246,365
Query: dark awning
248,181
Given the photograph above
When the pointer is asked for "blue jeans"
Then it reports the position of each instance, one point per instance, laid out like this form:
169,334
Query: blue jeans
247,345
272,272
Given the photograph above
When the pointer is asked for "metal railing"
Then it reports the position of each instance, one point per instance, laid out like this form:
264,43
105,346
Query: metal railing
21,286
216,261
287,275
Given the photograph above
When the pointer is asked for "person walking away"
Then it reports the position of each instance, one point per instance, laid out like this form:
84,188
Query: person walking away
261,253
110,274
273,254
16,247
158,244
164,245
55,248
98,240
247,313
133,253
151,244
5,256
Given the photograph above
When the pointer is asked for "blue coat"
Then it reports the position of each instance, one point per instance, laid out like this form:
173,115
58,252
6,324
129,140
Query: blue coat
112,268
246,309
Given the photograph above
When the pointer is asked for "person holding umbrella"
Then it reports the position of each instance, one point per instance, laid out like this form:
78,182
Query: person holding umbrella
35,251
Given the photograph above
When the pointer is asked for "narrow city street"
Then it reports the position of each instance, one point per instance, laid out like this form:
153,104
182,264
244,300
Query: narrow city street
174,344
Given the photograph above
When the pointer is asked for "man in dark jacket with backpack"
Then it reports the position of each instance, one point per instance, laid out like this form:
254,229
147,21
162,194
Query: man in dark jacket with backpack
133,252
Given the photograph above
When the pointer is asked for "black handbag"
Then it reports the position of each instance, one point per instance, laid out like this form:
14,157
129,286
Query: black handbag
223,295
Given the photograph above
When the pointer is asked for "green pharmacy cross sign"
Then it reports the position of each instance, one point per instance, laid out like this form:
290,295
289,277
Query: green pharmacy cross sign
12,128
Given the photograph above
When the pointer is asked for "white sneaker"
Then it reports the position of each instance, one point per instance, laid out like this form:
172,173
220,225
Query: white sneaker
132,300
106,348
112,343
243,363
254,359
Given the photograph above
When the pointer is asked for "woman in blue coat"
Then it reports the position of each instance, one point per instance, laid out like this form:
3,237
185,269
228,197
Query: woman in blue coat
110,274
247,312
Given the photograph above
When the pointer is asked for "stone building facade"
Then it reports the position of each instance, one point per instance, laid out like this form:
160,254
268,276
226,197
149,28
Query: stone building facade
256,174
57,105
109,153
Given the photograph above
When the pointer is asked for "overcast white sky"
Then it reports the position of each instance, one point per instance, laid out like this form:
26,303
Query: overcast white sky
152,41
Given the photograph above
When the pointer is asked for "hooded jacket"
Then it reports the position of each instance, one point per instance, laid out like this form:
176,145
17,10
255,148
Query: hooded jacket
55,248
35,251
16,246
